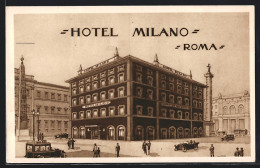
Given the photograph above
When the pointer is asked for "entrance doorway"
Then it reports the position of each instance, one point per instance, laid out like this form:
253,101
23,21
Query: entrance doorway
150,133
172,133
139,133
163,133
180,132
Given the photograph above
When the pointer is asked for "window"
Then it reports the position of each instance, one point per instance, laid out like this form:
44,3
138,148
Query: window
95,113
94,77
172,113
73,84
111,111
163,84
240,109
46,95
73,92
103,95
52,95
187,101
111,71
103,82
95,97
103,74
65,109
194,93
150,111
179,114
88,99
38,93
179,89
87,79
66,124
195,115
150,80
121,68
81,114
121,110
121,92
179,82
171,79
163,96
111,93
139,109
200,104
52,124
94,85
111,80
186,91
138,77
65,98
81,100
171,86
139,91
52,109
81,82
163,112
81,89
121,77
88,86
59,108
46,109
232,109
171,98
74,115
200,95
194,103
150,94
74,102
179,100
200,116
139,68
187,115
103,112
46,124
88,114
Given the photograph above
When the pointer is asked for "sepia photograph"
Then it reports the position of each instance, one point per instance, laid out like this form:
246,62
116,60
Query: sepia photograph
129,84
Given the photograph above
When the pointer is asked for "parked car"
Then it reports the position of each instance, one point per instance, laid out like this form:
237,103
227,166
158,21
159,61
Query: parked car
187,146
228,137
42,149
62,135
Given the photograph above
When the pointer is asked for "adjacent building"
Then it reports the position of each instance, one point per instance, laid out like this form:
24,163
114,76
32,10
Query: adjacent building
231,113
48,100
126,98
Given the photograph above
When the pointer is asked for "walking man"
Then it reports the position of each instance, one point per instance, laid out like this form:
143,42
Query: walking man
211,150
69,143
95,150
117,149
149,147
72,143
144,147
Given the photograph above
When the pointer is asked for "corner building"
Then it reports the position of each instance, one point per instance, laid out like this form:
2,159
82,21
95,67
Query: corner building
126,98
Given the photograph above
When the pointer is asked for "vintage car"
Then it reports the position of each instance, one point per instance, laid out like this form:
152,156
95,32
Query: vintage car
62,135
228,137
42,149
186,146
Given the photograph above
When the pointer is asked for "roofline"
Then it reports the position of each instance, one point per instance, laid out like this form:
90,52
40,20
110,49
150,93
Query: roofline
121,59
52,85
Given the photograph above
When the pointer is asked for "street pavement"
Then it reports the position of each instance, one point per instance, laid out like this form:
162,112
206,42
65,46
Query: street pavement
159,148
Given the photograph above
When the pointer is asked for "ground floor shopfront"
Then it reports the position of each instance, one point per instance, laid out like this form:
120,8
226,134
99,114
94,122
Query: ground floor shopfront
142,129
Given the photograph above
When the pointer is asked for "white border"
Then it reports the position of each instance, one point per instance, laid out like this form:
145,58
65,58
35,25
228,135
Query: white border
10,121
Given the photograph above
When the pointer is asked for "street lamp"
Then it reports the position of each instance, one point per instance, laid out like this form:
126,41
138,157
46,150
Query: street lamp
33,113
38,114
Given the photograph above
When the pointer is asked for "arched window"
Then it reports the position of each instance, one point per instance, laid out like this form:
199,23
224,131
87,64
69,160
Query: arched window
121,133
225,110
240,109
232,109
179,114
75,132
111,132
187,115
82,132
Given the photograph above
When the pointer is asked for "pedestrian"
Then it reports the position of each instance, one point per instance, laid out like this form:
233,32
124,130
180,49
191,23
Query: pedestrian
144,147
69,143
211,149
241,152
95,150
237,152
117,149
149,147
42,137
72,143
98,152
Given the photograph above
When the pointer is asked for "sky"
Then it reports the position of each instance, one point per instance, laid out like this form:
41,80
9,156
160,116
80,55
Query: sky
55,57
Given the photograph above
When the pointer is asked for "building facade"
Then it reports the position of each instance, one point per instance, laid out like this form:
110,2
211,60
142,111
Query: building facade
231,114
49,100
126,98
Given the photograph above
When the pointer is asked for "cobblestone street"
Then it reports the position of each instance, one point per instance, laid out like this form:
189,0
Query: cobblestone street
159,148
